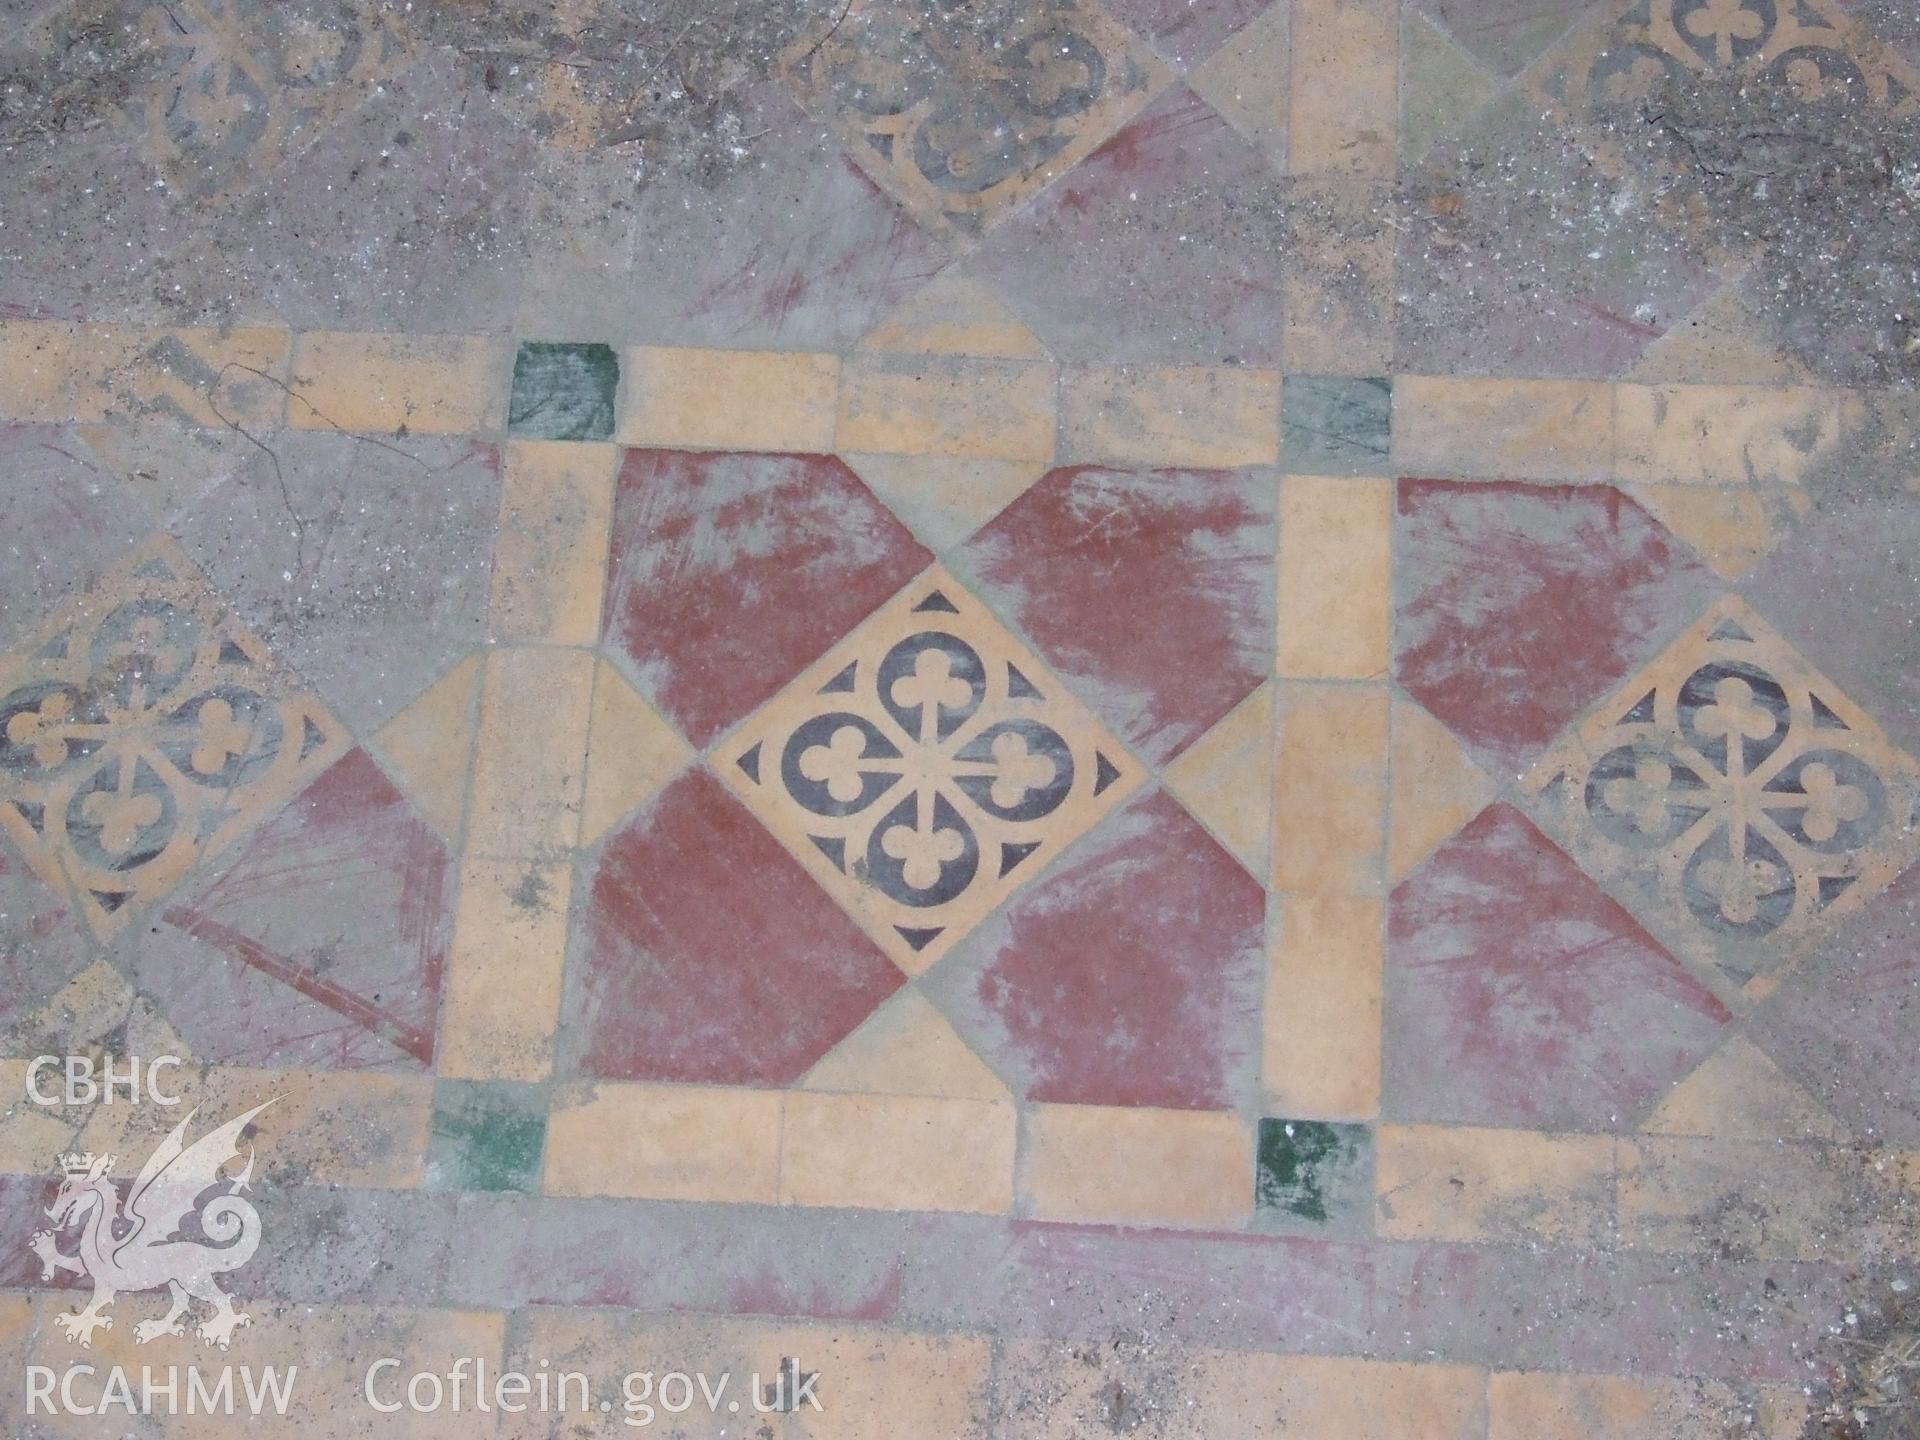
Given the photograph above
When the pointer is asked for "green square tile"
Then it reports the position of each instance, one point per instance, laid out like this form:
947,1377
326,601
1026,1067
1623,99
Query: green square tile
1335,424
487,1135
563,392
1314,1174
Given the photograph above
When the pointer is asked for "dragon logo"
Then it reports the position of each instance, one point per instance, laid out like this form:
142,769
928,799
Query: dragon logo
141,1245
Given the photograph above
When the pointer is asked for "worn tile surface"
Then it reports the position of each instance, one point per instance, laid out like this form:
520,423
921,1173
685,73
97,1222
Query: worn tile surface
1041,718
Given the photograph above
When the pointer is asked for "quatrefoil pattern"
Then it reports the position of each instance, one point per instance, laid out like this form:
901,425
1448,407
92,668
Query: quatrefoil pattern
1736,794
1810,47
925,768
142,729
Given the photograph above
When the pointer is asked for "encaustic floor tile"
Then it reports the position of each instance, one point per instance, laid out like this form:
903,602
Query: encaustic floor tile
142,729
1734,796
959,114
925,767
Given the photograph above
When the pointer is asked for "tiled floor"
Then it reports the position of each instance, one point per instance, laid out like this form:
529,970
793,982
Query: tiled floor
1147,717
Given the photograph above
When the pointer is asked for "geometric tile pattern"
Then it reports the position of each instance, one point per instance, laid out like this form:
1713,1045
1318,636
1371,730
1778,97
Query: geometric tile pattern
142,729
1527,1146
926,766
1734,796
1809,46
247,87
959,113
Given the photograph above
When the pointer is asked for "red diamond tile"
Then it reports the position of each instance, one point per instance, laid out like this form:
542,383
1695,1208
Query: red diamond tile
1520,605
1519,993
1130,976
710,954
1153,590
731,572
322,943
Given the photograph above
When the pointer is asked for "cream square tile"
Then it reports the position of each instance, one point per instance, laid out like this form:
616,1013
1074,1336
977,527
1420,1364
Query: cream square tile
1191,416
1329,789
1335,577
730,399
1095,1163
550,551
388,384
530,754
500,997
665,1142
946,405
897,1152
1322,1027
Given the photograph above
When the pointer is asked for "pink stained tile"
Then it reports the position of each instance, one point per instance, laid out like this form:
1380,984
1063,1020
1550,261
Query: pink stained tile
710,955
321,943
1167,244
1150,591
1517,606
731,572
1185,31
1519,993
1128,976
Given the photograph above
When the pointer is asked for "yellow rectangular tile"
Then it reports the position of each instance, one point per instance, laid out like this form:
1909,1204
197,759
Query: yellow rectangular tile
530,752
1338,282
730,399
665,1142
1505,1186
1322,1029
898,1152
1332,766
1335,577
386,384
1195,415
1730,434
1345,95
500,996
1503,429
948,405
1096,1163
55,371
1532,1406
1785,1201
550,550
